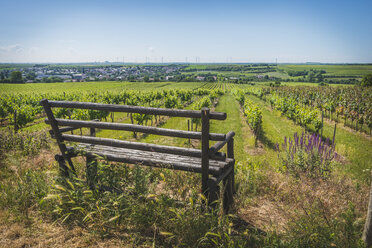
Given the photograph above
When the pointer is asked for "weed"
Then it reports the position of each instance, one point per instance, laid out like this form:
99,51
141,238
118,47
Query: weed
24,193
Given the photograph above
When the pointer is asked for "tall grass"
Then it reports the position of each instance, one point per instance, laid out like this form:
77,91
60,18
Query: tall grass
146,202
24,193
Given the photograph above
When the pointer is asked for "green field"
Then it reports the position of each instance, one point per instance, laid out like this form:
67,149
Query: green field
91,86
332,70
271,205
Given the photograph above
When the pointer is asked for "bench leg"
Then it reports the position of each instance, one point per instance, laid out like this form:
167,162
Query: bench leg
213,192
91,172
63,169
228,191
233,180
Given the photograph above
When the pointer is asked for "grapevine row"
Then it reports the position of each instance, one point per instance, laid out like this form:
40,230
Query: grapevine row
27,107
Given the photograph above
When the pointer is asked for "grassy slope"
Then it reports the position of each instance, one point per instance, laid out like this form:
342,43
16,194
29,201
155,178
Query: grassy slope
354,146
339,70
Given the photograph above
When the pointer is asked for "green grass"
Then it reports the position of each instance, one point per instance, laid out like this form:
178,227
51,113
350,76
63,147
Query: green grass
145,213
355,147
311,84
243,138
274,129
78,87
332,70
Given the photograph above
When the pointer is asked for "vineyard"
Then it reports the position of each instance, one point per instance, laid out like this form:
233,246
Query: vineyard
300,182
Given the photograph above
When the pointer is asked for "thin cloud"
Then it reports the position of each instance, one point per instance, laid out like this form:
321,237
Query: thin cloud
151,49
15,48
67,41
34,49
72,50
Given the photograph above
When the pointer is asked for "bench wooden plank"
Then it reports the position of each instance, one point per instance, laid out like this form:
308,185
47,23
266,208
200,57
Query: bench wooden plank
135,109
137,128
149,158
132,145
216,147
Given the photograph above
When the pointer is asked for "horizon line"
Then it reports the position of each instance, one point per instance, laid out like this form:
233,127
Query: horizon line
193,63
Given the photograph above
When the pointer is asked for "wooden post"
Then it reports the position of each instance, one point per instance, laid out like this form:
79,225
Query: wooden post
93,132
91,165
205,149
367,232
321,132
57,134
213,192
15,121
188,128
91,171
63,169
230,154
334,135
131,120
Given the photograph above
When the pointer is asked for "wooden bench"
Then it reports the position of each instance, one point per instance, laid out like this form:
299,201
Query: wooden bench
215,166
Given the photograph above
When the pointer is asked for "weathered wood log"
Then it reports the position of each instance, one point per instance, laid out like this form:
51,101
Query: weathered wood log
175,162
212,192
205,149
137,128
63,169
165,157
227,171
367,232
230,155
135,109
57,133
62,130
216,147
228,189
219,156
91,171
133,145
91,165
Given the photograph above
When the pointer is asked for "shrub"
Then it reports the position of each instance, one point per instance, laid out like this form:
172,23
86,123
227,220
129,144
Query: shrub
307,154
28,143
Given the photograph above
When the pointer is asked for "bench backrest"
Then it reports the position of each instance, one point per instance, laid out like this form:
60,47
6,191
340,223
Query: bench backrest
205,136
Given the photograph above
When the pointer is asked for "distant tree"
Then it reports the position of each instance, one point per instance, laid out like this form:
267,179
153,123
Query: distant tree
367,80
16,77
146,78
31,76
46,80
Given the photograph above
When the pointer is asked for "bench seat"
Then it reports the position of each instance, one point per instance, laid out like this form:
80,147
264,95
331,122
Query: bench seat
164,160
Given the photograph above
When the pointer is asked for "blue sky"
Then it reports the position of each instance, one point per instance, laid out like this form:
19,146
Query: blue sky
170,31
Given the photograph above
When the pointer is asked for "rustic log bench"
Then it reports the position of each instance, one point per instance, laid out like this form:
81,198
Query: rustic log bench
215,166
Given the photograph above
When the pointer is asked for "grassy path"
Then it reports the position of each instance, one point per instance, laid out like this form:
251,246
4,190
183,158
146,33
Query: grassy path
274,129
243,139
